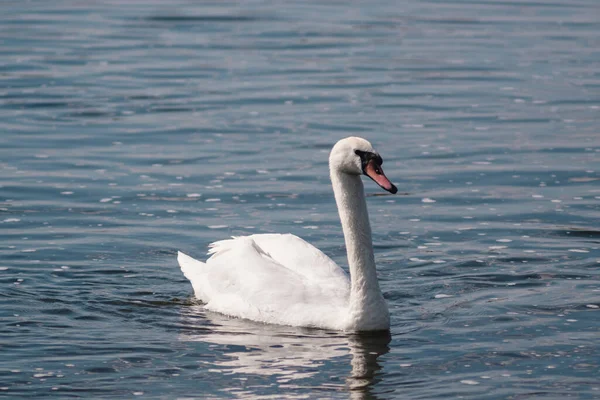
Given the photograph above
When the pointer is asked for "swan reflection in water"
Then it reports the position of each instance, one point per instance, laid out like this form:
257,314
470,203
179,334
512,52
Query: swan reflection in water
289,355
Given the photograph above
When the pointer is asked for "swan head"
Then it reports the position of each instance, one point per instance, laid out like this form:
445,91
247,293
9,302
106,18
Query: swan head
355,156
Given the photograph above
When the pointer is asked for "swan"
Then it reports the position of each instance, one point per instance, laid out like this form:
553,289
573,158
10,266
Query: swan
281,279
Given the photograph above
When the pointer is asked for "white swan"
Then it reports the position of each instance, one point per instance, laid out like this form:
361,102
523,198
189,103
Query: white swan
281,279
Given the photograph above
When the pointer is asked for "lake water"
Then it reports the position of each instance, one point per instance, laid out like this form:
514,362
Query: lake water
131,130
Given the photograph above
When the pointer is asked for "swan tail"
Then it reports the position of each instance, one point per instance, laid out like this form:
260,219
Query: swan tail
221,246
194,270
216,249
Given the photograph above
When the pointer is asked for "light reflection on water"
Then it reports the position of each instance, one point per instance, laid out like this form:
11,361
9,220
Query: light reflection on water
132,130
289,356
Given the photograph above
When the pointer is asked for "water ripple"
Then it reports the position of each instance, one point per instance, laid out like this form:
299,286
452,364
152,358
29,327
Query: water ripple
131,131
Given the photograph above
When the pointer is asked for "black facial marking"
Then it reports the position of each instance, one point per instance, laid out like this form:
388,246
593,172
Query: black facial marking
366,156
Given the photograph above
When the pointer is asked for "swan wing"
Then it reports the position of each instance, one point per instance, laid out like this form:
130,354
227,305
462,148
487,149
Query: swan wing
241,279
303,258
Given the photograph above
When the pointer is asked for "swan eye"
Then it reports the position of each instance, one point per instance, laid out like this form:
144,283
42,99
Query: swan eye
366,156
374,159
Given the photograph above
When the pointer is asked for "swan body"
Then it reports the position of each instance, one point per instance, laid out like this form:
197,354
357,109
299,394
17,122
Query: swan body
282,279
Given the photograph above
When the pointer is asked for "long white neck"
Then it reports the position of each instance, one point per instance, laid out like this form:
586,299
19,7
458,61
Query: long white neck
367,308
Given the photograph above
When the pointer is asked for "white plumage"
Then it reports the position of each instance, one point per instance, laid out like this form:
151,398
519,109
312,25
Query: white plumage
282,279
271,278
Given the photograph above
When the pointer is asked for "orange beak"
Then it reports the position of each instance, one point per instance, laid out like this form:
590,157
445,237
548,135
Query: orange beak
375,172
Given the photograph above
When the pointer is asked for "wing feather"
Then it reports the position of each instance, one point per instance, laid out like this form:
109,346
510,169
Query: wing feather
271,278
302,257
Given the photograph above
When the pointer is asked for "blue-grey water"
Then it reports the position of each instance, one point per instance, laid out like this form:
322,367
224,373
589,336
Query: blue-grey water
129,130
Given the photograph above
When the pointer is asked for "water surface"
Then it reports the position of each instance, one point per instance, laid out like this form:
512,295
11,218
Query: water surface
131,130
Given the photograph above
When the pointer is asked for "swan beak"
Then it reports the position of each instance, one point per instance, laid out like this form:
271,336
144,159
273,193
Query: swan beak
375,172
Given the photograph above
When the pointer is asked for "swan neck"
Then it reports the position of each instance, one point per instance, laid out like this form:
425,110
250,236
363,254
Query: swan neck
367,306
352,207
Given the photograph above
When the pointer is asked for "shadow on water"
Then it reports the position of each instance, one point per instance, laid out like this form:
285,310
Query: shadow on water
292,356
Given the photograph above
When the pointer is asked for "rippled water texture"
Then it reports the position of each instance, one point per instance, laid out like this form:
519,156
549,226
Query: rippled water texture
129,130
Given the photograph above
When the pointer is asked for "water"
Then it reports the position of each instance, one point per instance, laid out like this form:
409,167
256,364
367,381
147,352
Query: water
130,130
